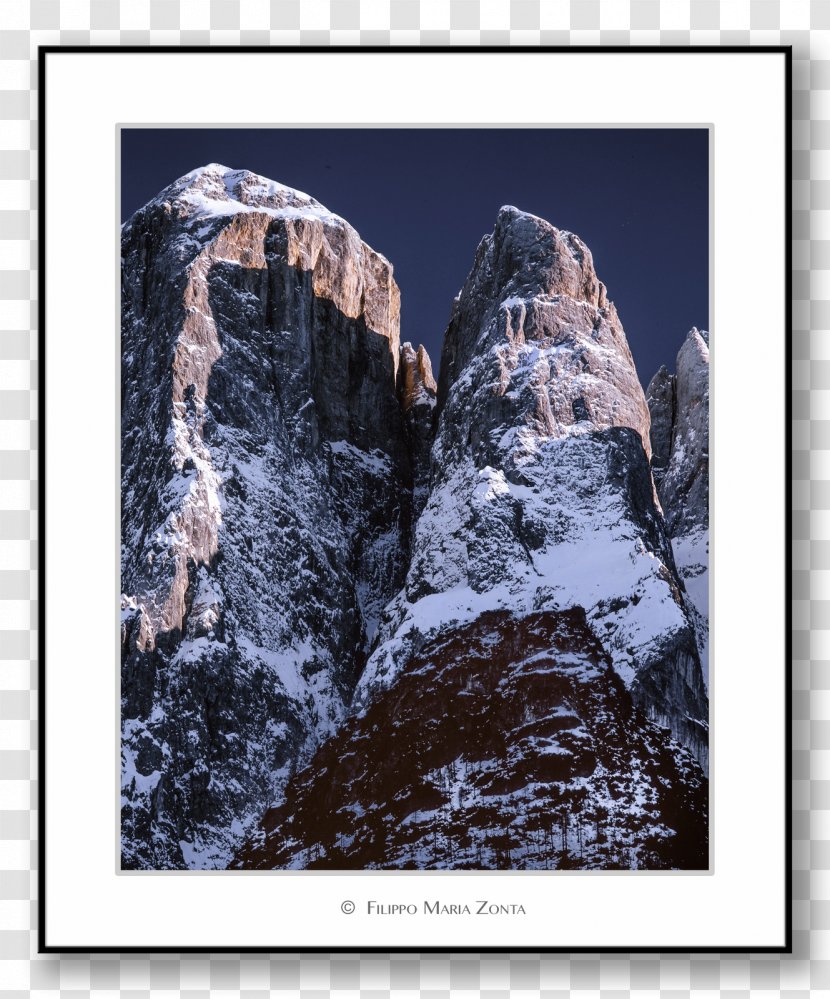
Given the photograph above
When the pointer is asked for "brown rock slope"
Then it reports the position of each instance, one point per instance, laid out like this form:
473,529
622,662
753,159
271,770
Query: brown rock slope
505,743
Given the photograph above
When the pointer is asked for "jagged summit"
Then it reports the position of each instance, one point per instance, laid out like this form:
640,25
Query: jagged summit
553,261
534,306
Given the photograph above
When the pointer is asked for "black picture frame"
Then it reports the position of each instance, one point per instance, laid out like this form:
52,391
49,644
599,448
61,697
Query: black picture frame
520,52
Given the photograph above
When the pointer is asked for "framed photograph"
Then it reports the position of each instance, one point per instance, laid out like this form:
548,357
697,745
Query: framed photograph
408,583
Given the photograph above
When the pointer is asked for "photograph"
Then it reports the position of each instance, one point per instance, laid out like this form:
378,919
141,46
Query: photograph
414,499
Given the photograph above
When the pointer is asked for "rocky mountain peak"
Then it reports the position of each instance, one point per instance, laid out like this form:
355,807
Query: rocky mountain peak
229,216
531,255
541,446
535,314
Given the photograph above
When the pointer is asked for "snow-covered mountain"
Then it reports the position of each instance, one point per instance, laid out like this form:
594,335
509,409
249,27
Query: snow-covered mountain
266,499
541,495
679,406
377,610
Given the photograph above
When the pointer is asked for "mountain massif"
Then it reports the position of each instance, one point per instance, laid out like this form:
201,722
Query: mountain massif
371,620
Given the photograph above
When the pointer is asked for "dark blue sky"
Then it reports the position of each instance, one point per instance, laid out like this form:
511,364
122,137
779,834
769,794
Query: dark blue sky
425,197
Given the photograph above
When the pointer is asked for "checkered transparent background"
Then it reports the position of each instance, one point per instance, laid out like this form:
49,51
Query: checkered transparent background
804,24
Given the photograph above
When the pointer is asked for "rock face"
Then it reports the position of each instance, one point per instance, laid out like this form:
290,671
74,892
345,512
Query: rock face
266,499
541,496
679,407
504,743
412,625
